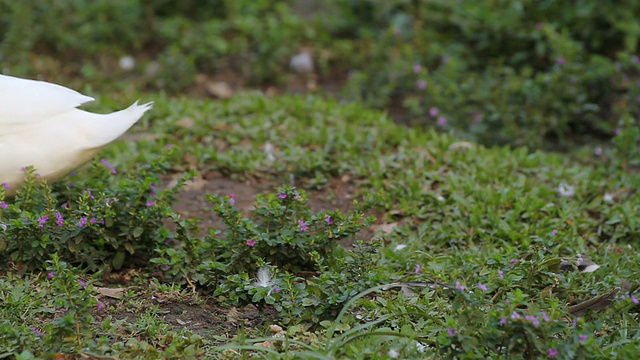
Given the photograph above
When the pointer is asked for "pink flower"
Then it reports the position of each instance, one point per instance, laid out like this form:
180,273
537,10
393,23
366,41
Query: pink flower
327,219
560,60
113,170
552,352
150,203
459,286
416,68
442,121
251,242
232,199
422,85
100,305
283,195
303,225
3,205
583,338
433,111
50,275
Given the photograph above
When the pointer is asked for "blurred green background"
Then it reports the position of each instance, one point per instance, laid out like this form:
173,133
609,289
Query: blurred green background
537,73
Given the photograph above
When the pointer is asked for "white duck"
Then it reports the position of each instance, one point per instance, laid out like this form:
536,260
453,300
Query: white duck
41,127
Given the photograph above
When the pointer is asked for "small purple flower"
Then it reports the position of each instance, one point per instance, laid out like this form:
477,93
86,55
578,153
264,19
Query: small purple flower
478,117
482,286
5,185
560,60
635,59
36,331
513,262
42,220
507,301
275,289
50,275
150,203
433,111
82,283
422,85
416,68
534,319
100,305
169,146
93,220
3,205
283,195
451,331
165,267
442,121
538,26
633,299
106,163
552,351
59,219
503,320
500,274
327,219
460,286
303,225
232,199
553,232
515,315
82,222
251,242
583,338
545,317
417,270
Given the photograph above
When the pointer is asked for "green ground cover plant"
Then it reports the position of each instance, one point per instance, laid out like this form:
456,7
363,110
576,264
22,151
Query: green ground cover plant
472,253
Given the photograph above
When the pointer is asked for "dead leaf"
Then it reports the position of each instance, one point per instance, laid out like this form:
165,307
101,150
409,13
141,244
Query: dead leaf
385,228
219,89
114,293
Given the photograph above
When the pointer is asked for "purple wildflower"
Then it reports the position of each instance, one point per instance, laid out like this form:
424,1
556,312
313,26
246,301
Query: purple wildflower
478,117
633,299
513,262
106,163
417,270
552,352
283,195
251,242
500,274
3,205
553,232
82,283
169,146
538,26
82,222
560,60
100,305
416,68
515,315
545,317
327,219
482,286
232,199
422,85
303,225
459,286
451,331
5,185
433,111
534,319
165,267
503,320
442,121
36,331
59,219
42,220
583,338
50,275
150,203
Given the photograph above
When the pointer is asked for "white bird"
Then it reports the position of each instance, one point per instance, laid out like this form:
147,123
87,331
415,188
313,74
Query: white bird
40,126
